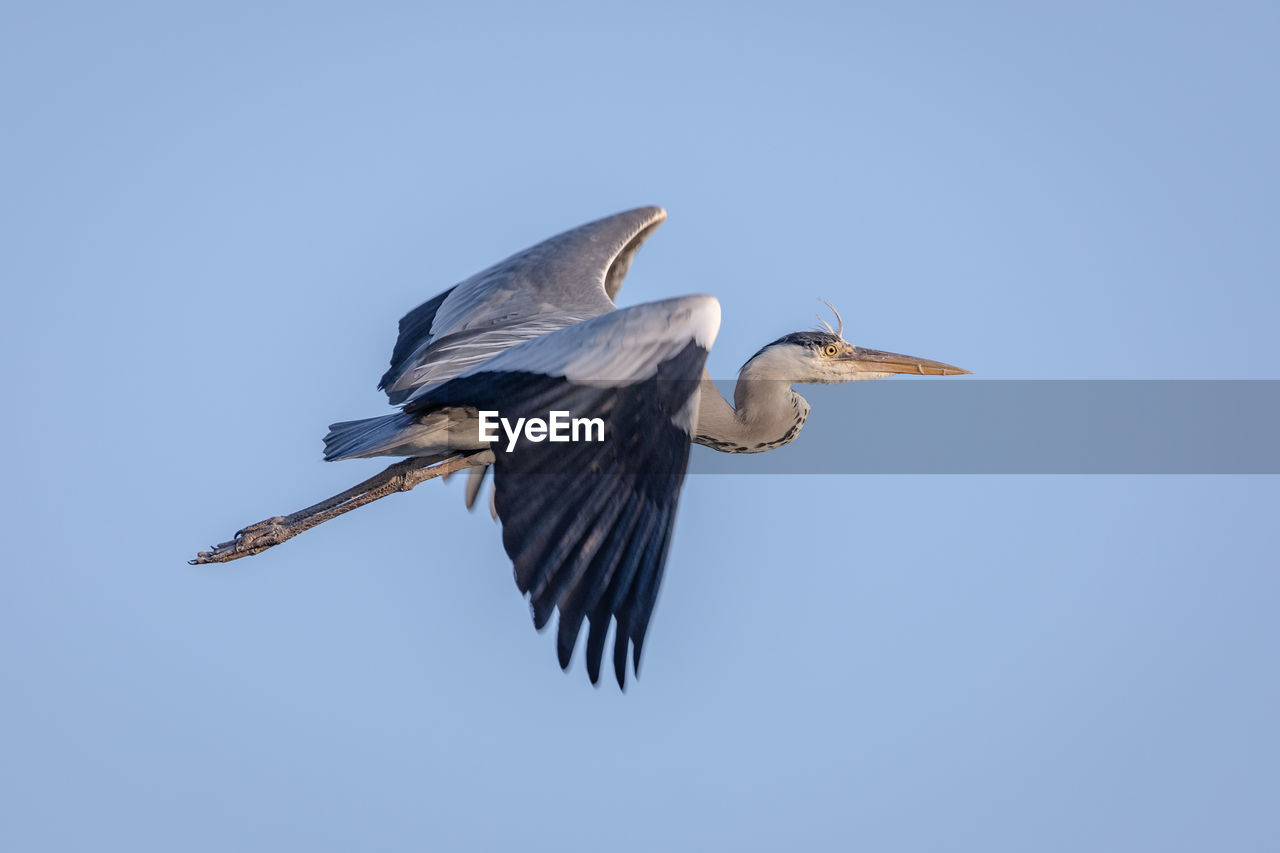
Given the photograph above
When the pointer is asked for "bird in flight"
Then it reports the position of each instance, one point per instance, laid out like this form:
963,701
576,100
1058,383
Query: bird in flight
587,523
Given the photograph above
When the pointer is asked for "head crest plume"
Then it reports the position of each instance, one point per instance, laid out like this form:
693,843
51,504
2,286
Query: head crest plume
839,333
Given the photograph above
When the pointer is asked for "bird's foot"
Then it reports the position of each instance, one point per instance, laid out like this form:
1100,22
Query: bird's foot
248,535
263,535
249,541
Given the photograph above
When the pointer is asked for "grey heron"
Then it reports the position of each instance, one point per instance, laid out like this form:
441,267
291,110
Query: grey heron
587,525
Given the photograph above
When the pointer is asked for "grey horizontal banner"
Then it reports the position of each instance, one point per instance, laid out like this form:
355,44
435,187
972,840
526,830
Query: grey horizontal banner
967,426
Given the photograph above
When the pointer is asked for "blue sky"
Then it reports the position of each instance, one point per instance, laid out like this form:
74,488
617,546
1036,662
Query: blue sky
213,216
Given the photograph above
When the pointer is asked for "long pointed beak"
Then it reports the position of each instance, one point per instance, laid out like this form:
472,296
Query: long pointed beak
878,361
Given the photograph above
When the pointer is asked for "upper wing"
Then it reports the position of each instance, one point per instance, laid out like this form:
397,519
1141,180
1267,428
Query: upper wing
560,281
587,524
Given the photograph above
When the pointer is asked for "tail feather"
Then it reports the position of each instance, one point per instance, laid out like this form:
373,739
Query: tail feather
367,437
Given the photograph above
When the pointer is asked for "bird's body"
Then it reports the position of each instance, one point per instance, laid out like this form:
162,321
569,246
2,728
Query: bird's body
588,525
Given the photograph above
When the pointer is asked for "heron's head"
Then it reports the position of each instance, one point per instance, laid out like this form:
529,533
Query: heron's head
825,356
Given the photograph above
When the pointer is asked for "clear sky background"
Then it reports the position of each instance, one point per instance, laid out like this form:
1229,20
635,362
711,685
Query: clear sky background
213,216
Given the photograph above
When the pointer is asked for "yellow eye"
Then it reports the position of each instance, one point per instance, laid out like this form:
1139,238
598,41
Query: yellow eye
830,350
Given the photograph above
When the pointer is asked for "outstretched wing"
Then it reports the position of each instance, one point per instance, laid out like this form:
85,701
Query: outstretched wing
559,282
587,524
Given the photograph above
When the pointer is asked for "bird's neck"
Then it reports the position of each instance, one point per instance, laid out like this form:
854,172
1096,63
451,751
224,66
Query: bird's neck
765,413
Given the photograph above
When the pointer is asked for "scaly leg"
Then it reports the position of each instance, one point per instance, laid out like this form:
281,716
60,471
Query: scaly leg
399,477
